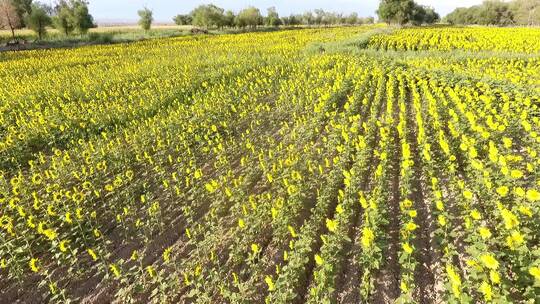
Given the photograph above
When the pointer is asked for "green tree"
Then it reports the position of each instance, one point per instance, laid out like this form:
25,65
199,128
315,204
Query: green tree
431,15
208,16
424,15
23,8
72,16
308,18
38,20
396,11
368,20
464,15
526,12
229,18
326,18
63,19
456,16
295,20
495,12
250,16
352,19
81,20
272,17
418,14
146,17
319,16
333,18
182,19
8,17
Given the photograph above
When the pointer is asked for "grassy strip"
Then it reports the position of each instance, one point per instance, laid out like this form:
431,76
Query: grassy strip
349,45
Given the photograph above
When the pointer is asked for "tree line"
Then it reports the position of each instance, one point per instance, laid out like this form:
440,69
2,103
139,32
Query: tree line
212,16
496,12
391,11
68,16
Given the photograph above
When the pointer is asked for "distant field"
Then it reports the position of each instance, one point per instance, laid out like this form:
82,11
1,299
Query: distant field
113,33
349,165
101,29
107,35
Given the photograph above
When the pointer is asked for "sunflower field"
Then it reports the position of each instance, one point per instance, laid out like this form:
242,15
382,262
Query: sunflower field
254,168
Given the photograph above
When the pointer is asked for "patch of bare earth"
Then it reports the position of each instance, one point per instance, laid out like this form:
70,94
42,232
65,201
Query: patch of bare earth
386,281
427,253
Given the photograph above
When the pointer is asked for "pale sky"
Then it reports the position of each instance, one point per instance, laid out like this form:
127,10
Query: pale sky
164,10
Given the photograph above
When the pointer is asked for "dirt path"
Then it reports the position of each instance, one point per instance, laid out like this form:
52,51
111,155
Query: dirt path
348,281
427,253
386,281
